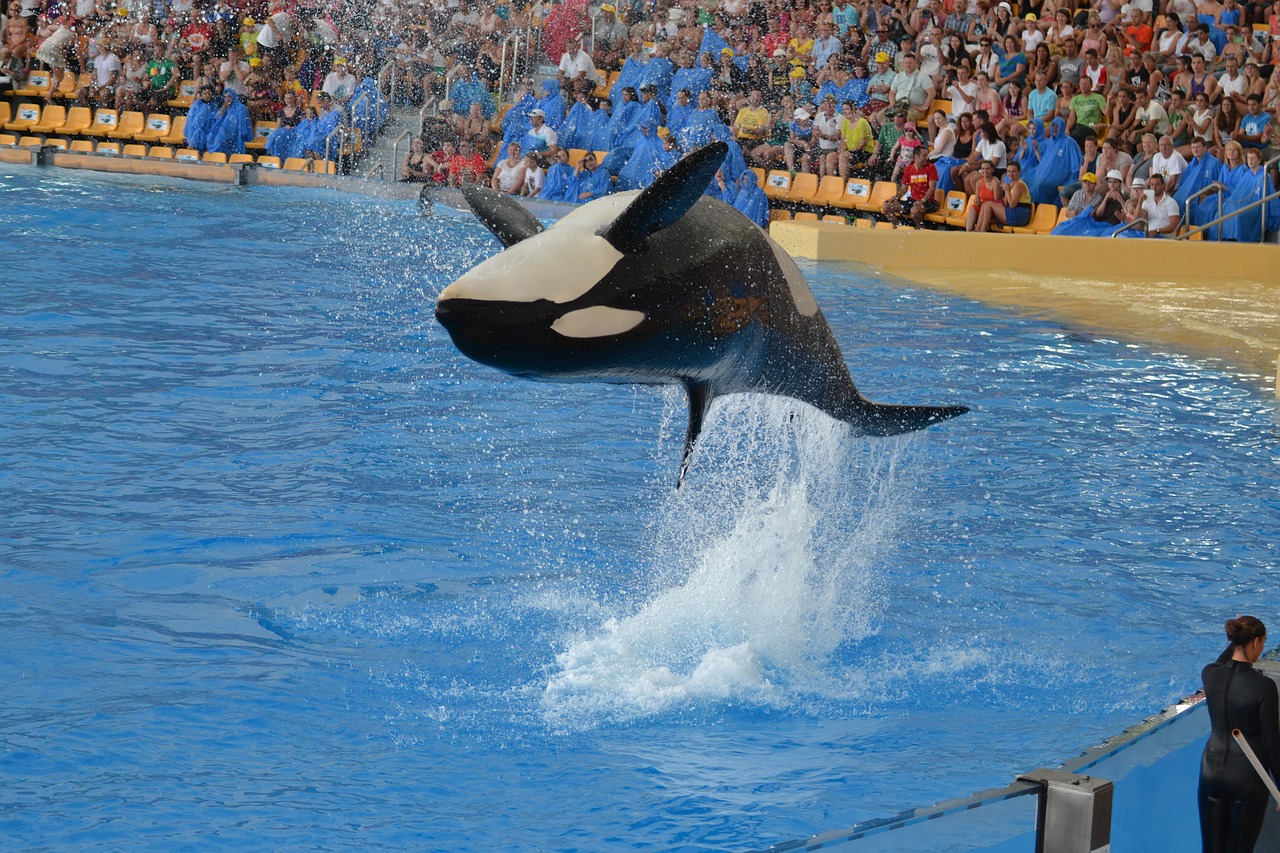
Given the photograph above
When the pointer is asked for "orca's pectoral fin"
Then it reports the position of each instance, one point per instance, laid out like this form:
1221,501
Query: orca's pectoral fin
888,419
501,214
700,397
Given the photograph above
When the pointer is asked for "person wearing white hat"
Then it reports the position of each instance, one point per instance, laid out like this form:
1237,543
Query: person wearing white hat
539,131
799,141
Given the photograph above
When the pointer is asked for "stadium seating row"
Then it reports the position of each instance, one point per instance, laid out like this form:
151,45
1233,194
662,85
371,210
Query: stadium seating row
161,152
57,120
38,84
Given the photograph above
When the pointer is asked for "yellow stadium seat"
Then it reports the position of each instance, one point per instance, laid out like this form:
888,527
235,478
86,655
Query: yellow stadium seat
187,155
600,155
111,149
961,217
70,83
28,116
56,142
862,222
1062,217
157,128
881,192
134,149
78,119
760,175
104,121
51,120
37,85
803,188
185,94
805,216
829,191
953,202
240,158
777,183
943,104
30,142
159,152
8,139
131,124
837,218
81,146
855,192
328,168
575,156
261,131
1043,218
779,215
297,164
175,135
213,157
6,115
267,161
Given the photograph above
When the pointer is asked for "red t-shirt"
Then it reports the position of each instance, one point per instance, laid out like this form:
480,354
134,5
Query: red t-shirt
917,180
474,164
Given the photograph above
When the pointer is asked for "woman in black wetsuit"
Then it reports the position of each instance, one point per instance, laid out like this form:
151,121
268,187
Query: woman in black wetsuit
1233,799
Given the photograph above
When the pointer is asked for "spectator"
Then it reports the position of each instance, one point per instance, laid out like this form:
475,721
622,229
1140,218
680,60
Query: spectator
1160,209
508,174
1088,111
1168,163
800,142
1254,131
919,180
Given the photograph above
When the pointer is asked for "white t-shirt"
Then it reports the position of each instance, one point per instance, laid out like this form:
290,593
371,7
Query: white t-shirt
533,180
509,176
575,61
827,124
959,106
1160,213
339,84
993,151
235,82
103,67
1168,166
266,37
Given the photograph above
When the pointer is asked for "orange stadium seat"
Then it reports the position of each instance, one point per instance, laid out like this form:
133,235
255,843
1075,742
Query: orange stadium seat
104,121
777,184
961,217
6,114
856,191
803,188
51,120
1043,218
829,191
30,142
268,161
805,216
175,135
131,124
78,120
8,139
213,157
28,116
56,142
575,156
134,149
240,158
881,192
297,164
81,146
37,85
261,130
953,202
159,152
863,222
157,128
837,218
779,215
187,155
111,149
185,94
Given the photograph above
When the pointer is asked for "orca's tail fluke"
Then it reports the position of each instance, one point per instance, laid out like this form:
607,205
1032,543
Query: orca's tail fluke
888,419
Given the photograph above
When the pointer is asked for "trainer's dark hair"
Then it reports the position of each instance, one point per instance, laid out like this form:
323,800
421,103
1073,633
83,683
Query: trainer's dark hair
1243,630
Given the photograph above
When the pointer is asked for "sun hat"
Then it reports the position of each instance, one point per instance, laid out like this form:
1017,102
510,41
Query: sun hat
1114,175
608,7
1031,16
797,73
801,114
1090,177
536,112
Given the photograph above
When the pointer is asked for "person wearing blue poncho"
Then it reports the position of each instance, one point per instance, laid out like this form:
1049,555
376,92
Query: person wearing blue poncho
1029,153
632,70
593,181
516,122
368,109
699,128
231,127
1250,183
722,189
552,103
622,129
1099,213
473,91
658,72
286,142
651,157
649,112
575,130
693,80
596,136
679,110
1200,173
317,141
200,117
751,201
734,163
1060,161
561,183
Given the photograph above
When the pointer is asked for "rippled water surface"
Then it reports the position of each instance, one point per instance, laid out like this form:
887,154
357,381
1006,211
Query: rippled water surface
280,570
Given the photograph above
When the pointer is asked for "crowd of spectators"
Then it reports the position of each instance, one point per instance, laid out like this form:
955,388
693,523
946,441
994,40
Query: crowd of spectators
1018,105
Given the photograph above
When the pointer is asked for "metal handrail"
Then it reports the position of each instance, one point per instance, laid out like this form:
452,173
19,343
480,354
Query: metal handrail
1141,220
1232,215
514,40
395,148
328,140
1215,187
448,82
378,168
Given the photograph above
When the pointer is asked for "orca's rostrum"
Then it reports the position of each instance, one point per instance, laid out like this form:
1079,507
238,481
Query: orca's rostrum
660,286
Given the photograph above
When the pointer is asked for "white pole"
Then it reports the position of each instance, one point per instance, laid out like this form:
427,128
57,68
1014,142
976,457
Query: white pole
1257,765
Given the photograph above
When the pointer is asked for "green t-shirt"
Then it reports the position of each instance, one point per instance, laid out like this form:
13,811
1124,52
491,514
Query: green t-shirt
1089,109
889,136
160,72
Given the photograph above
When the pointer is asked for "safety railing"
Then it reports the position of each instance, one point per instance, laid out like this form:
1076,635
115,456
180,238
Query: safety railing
448,82
1141,220
505,82
1215,187
378,169
395,150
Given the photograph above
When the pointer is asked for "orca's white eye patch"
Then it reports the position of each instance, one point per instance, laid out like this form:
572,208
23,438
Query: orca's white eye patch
598,321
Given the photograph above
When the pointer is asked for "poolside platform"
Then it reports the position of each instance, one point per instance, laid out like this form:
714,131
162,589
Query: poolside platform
1210,300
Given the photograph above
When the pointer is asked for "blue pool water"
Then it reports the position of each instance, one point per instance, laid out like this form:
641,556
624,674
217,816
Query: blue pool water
280,570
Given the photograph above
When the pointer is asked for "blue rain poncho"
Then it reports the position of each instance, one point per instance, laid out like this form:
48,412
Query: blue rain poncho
515,123
232,129
699,129
696,80
1083,224
368,108
200,118
658,73
1029,154
597,184
552,103
1200,172
560,184
1249,186
286,142
575,130
596,137
629,77
677,115
751,201
726,195
467,92
648,159
321,130
1060,161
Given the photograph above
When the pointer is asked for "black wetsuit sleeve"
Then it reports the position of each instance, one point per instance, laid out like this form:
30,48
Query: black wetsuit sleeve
1269,720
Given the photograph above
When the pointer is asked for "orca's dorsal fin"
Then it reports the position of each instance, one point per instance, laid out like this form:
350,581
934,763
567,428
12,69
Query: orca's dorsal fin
665,200
501,214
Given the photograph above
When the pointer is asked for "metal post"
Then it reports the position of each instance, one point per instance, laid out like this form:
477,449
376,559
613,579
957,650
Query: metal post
1074,814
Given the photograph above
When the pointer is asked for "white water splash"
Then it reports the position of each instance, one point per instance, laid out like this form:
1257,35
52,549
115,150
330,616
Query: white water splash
761,567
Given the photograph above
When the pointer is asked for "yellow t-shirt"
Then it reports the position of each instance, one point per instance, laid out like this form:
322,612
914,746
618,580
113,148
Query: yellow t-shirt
752,123
858,135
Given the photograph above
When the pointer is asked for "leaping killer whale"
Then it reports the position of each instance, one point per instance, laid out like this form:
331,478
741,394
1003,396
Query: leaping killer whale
659,286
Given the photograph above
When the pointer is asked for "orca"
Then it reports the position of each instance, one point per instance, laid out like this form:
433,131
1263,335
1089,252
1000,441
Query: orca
658,286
